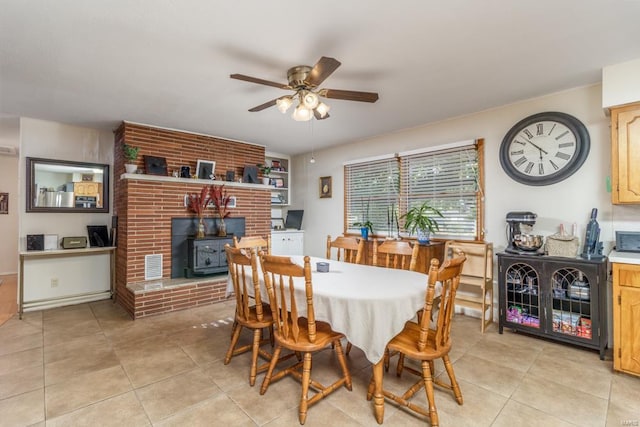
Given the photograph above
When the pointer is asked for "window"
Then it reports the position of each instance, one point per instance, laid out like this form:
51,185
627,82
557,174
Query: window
372,188
449,177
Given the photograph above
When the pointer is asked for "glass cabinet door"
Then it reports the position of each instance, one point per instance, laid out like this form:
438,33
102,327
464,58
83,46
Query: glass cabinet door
571,302
522,295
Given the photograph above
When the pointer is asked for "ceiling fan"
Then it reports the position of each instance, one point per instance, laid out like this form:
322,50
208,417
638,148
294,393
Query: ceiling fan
304,80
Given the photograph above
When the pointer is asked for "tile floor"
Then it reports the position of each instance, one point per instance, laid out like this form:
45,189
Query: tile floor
91,365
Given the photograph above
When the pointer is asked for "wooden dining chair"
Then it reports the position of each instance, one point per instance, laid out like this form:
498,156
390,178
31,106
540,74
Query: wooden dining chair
348,249
429,340
395,254
251,312
296,329
258,242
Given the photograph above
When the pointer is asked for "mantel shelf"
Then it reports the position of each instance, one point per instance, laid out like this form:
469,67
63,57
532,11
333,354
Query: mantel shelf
160,178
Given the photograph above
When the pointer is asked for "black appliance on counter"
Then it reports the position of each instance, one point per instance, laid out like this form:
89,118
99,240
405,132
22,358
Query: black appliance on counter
592,244
515,221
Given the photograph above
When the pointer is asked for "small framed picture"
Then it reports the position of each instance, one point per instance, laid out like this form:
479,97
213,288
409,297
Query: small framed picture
4,203
325,187
232,202
277,223
277,182
205,169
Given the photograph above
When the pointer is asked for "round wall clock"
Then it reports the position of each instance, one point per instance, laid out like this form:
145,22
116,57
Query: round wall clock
544,148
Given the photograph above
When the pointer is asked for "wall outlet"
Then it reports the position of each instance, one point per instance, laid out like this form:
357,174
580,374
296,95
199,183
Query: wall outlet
54,283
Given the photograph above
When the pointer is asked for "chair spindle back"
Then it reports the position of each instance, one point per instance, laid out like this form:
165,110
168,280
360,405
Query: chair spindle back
395,254
348,249
243,269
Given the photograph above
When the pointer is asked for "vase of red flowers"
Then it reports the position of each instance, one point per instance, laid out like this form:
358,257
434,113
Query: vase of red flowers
197,204
221,200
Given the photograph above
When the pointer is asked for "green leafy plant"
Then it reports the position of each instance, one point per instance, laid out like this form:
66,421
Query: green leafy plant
421,217
264,169
130,152
365,223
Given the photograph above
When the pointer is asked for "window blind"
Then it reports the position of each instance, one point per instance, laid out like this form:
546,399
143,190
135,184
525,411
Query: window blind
448,181
371,192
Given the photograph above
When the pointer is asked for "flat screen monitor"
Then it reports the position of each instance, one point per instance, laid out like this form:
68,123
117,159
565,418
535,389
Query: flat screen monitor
294,219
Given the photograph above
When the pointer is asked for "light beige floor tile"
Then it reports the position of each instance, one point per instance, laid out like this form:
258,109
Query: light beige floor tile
82,390
321,414
19,360
66,330
69,349
73,313
218,410
571,374
83,361
33,318
20,343
205,351
167,397
280,396
488,375
233,375
518,414
560,401
15,327
155,364
624,404
590,359
22,410
21,381
119,411
507,354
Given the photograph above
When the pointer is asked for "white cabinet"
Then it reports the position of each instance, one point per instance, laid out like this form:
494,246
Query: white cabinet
288,242
279,178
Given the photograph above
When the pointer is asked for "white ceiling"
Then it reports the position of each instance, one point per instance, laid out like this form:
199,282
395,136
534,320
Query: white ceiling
167,62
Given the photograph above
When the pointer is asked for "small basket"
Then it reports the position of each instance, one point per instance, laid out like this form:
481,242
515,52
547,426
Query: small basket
563,246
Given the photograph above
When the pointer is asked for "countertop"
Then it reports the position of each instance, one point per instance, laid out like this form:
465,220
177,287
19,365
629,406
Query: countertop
624,257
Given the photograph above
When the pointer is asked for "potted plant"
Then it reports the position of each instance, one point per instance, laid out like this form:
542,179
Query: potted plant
131,155
197,204
265,171
221,201
419,219
365,225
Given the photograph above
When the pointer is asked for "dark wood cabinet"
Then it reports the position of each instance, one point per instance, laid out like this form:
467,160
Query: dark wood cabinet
559,298
425,254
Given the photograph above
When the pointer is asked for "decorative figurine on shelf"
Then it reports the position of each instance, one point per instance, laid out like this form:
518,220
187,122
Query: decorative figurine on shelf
221,201
197,204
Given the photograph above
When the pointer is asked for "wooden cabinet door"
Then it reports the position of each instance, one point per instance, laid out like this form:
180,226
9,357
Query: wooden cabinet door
630,329
625,155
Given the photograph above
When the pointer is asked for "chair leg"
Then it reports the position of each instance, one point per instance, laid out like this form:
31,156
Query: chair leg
348,348
304,398
427,378
452,377
272,365
386,359
234,340
257,338
343,365
400,366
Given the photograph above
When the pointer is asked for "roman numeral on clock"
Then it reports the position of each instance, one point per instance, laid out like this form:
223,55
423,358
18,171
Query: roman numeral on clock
554,165
517,152
562,134
539,129
540,169
563,156
528,133
522,160
529,167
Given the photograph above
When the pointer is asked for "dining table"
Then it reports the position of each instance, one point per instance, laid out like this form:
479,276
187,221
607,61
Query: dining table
368,304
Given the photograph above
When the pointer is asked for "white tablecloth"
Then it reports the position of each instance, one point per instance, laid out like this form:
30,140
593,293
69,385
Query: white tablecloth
369,305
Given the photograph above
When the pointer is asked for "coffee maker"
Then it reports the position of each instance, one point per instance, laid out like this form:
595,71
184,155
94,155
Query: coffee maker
515,221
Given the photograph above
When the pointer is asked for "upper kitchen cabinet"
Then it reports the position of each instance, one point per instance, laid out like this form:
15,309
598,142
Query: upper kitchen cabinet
279,178
625,155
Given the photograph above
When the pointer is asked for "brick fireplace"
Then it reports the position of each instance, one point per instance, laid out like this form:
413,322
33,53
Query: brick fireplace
145,205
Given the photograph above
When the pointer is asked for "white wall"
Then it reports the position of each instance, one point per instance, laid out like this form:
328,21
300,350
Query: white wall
9,137
620,83
51,140
568,202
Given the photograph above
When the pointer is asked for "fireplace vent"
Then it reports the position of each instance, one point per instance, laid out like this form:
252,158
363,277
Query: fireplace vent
153,266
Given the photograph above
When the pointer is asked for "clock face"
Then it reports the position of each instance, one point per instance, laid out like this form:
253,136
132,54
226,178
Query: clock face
544,148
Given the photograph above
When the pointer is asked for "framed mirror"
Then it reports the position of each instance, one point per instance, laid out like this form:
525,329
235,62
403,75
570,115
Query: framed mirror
66,186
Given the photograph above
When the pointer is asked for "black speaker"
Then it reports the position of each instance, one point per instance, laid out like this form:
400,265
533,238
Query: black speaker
230,176
35,242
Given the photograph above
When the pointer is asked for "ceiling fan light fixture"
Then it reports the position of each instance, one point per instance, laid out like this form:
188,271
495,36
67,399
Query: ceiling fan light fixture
301,114
284,103
322,109
309,99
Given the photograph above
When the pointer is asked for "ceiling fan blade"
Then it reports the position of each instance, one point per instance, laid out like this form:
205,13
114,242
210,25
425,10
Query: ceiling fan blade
263,106
323,69
349,95
318,116
258,81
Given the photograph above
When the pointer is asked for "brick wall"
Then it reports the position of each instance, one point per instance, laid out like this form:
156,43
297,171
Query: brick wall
145,208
